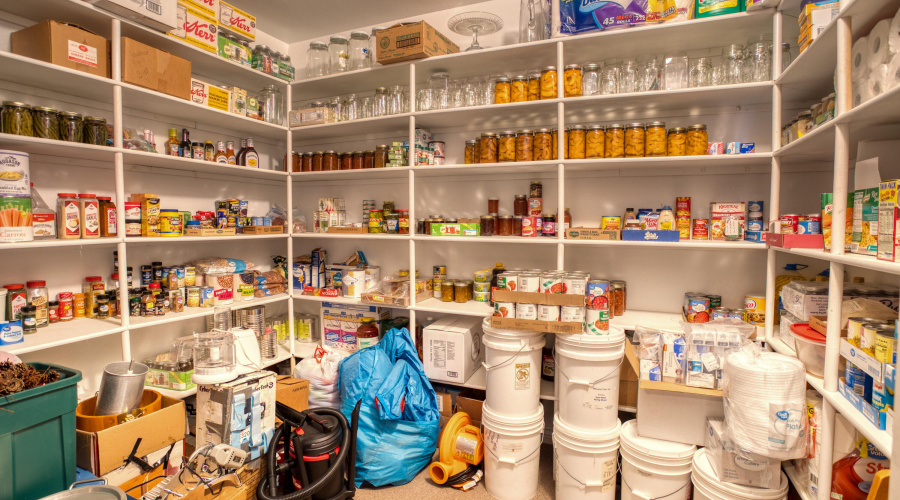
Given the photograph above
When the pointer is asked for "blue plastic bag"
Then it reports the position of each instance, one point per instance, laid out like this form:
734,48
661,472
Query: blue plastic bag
399,421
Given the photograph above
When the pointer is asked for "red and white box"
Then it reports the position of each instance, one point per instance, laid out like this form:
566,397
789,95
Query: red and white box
197,24
727,220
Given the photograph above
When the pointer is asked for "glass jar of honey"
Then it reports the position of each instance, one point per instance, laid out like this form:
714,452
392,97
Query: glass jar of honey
369,159
572,81
470,151
594,141
676,142
507,146
519,89
543,145
502,90
488,146
549,83
655,139
697,140
575,138
381,156
524,145
634,140
615,141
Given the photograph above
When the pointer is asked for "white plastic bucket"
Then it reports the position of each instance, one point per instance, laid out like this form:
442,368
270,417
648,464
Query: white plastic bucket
653,468
512,451
708,487
512,361
587,379
585,464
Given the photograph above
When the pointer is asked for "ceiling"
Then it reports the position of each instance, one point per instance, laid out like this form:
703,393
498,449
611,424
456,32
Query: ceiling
293,21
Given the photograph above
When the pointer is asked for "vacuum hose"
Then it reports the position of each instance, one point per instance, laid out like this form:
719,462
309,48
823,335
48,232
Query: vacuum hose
267,490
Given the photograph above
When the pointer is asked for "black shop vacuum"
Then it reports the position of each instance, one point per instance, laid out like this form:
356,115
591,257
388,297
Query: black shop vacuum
312,456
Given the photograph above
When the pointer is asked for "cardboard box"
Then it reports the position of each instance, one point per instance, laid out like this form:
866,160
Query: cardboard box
453,348
219,98
863,360
471,402
101,452
888,220
207,7
537,325
199,92
865,221
309,116
263,229
554,299
240,413
651,235
872,414
64,45
197,24
816,241
464,227
347,230
237,21
676,416
737,466
229,49
592,233
238,101
727,219
160,15
408,41
293,392
445,405
210,231
155,69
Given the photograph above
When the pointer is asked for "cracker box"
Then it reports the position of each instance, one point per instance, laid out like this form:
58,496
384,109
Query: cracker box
888,220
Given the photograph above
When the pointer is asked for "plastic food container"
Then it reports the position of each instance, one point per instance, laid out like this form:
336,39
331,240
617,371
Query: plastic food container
810,347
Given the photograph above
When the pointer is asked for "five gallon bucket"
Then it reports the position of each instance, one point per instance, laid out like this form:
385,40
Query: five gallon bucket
587,379
585,463
653,468
708,487
512,360
512,450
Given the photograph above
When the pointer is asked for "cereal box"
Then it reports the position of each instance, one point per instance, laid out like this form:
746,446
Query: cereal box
888,220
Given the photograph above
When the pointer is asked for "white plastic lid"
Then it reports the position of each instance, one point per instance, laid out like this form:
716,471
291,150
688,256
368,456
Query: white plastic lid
603,435
653,447
489,415
702,467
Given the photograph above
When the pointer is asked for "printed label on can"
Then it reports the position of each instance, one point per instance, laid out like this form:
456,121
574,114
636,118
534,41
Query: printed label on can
596,322
530,226
548,312
551,283
508,281
598,295
505,309
571,314
525,310
574,285
535,207
15,177
529,283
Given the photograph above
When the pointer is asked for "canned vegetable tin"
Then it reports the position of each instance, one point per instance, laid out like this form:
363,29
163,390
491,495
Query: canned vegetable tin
596,322
525,310
504,309
598,295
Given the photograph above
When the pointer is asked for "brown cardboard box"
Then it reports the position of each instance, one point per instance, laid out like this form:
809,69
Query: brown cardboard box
101,452
65,45
445,406
593,233
155,69
553,299
293,392
470,402
537,325
407,41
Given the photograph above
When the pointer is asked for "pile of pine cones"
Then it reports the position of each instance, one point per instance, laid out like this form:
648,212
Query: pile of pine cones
16,377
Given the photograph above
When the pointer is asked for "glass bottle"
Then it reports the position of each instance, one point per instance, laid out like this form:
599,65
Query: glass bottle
532,21
221,155
359,48
229,153
251,157
185,149
271,105
590,79
209,151
317,60
239,158
172,145
339,54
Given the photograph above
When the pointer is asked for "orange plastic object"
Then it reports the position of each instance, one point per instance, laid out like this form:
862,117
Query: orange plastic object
880,485
85,420
460,445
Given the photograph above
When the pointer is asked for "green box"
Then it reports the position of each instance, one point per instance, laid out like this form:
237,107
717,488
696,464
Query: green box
285,72
710,8
176,381
865,222
37,444
456,229
233,51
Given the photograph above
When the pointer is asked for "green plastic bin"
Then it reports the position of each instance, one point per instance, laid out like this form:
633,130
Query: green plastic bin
37,437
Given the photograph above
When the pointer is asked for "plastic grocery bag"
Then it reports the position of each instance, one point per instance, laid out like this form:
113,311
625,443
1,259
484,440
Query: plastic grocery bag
399,421
322,372
585,16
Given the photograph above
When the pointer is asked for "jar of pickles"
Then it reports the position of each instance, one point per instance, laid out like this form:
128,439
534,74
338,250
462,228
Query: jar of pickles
329,161
95,130
502,90
460,292
543,145
634,140
697,140
534,86
16,118
615,141
519,89
447,291
549,83
572,81
470,151
488,146
381,156
71,126
676,142
524,145
507,146
46,123
317,160
575,138
594,141
655,139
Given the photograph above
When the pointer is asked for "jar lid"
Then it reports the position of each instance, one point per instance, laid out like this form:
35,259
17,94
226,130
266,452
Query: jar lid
550,68
543,130
635,125
319,153
697,126
595,127
503,79
70,114
37,283
381,146
577,127
95,119
45,109
656,124
615,125
359,152
334,39
381,90
66,195
507,133
28,309
86,195
459,283
104,198
372,151
471,142
573,66
506,216
677,130
329,152
488,134
591,67
93,278
520,77
520,196
15,103
359,35
525,131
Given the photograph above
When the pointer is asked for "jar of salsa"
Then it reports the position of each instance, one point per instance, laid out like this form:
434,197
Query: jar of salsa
548,83
524,145
369,159
506,225
381,156
306,162
329,161
488,146
615,141
594,141
470,152
317,160
575,138
543,145
520,205
358,160
487,225
346,160
507,146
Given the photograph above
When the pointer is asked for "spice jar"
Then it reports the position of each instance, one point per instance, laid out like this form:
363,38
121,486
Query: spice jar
676,142
506,225
548,83
66,306
572,80
524,145
594,141
615,141
329,161
71,126
543,145
369,159
520,205
447,291
92,286
381,156
519,89
634,140
575,138
79,305
16,118
53,312
460,292
507,146
107,217
38,297
470,152
487,225
89,211
697,140
102,306
46,122
502,90
488,146
655,139
29,322
317,161
68,216
95,130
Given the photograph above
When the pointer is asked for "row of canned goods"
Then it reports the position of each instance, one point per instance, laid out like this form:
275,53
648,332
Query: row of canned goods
801,224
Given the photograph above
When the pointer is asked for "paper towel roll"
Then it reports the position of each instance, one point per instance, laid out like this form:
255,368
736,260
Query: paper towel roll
894,35
892,74
877,81
861,92
859,64
878,52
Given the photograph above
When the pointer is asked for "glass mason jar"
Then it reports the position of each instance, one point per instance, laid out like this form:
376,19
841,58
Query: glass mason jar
676,142
575,139
395,100
518,89
534,86
317,60
373,44
758,63
271,105
543,145
95,130
615,141
548,83
609,76
676,72
330,161
649,75
655,139
572,81
339,54
71,126
506,146
380,102
424,101
46,122
488,146
469,156
697,140
732,56
17,118
701,73
318,158
635,140
359,50
351,108
590,79
381,156
502,90
627,77
594,141
524,145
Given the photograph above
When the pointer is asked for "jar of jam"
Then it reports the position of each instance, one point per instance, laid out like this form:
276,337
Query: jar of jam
460,292
655,139
329,161
346,160
520,205
697,140
17,119
615,141
369,159
548,227
594,141
306,162
524,145
381,156
506,226
519,89
534,86
676,142
543,145
470,152
487,225
358,160
46,122
295,161
575,138
517,225
71,126
501,90
549,83
507,146
493,205
488,146
572,80
634,140
317,160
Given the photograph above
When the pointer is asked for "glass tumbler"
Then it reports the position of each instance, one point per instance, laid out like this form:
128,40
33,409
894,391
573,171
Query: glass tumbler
590,79
732,56
339,54
676,72
359,49
317,60
701,73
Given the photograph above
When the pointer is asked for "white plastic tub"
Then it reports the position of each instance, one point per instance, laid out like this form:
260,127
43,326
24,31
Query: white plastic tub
585,464
810,347
512,451
512,362
587,379
653,468
708,487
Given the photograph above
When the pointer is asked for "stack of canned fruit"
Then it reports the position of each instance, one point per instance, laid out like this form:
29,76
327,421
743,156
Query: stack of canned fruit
604,299
704,307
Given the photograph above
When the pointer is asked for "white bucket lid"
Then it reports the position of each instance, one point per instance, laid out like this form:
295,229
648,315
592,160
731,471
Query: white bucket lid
586,437
592,347
654,448
704,473
512,425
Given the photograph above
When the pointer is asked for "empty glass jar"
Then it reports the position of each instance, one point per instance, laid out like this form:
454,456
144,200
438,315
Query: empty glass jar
351,107
590,79
339,54
627,77
373,45
395,100
732,56
649,75
271,104
676,73
359,49
609,76
701,73
317,60
757,63
380,102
